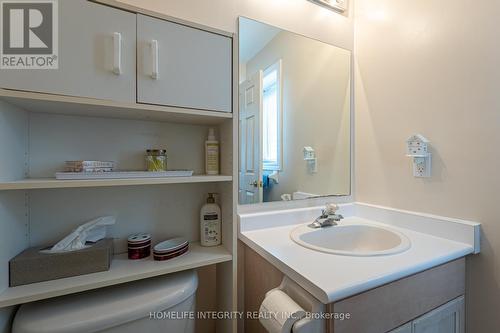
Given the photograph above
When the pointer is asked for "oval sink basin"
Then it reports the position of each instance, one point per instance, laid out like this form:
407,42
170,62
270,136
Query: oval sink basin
352,240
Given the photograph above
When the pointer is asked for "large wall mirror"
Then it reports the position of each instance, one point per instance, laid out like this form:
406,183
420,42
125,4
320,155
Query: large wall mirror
294,116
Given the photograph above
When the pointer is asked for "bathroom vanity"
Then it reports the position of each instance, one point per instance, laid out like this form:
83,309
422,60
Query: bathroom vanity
419,289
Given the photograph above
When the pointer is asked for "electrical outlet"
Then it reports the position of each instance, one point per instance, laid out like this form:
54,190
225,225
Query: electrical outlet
417,149
422,166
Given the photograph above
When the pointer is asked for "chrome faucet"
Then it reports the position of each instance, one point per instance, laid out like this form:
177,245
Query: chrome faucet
328,217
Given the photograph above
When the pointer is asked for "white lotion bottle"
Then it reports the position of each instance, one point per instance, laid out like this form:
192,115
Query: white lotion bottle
210,223
211,154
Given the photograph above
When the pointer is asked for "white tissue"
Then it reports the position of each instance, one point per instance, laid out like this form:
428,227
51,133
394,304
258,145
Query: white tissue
91,231
278,312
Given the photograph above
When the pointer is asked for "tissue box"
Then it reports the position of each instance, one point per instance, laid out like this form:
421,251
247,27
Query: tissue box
31,266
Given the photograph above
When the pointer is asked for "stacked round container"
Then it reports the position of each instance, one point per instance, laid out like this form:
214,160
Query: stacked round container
139,246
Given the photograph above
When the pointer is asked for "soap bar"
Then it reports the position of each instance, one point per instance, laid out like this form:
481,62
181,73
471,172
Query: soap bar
31,266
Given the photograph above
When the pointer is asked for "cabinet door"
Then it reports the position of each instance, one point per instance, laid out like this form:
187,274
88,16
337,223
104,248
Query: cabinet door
448,318
86,55
182,66
402,329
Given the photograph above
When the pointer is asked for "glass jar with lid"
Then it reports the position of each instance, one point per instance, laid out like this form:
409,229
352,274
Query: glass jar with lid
156,159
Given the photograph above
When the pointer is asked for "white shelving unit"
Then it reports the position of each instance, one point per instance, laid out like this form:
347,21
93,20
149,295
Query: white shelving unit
39,131
34,210
122,270
48,183
89,107
37,208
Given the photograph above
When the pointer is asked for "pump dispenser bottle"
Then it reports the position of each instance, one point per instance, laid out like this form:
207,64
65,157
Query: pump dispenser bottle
210,223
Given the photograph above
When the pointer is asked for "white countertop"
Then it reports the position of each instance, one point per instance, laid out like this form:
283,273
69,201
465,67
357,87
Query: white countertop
331,277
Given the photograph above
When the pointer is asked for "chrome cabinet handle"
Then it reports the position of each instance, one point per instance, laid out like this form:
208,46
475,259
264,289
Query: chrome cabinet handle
117,53
155,73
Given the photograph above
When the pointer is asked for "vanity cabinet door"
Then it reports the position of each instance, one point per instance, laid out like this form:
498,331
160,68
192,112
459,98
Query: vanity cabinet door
88,51
403,329
182,66
448,318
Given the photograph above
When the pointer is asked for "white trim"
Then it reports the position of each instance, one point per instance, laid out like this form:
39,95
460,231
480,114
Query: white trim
458,230
84,106
48,183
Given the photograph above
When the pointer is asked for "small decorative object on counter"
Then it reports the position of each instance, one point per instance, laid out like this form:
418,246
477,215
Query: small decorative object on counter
210,223
89,166
156,159
139,246
171,248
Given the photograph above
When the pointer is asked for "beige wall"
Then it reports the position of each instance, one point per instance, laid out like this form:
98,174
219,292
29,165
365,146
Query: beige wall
300,16
316,113
431,67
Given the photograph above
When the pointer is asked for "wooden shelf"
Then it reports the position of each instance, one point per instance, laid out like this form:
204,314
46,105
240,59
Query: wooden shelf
81,106
122,270
47,183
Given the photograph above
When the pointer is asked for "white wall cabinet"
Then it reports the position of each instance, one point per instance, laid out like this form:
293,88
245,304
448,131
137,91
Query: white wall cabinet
86,55
177,65
448,318
42,109
182,66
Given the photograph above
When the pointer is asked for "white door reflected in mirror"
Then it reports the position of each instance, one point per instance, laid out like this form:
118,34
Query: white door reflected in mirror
250,123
